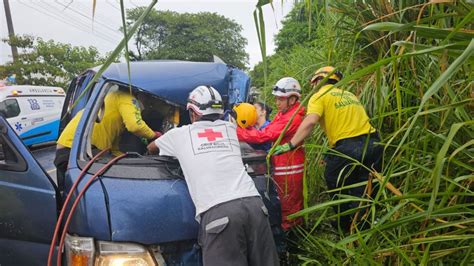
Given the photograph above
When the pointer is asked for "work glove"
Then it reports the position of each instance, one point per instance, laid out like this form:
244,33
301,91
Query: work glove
283,148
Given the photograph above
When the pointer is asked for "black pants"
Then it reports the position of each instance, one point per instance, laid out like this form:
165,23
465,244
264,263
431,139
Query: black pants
61,161
237,232
342,171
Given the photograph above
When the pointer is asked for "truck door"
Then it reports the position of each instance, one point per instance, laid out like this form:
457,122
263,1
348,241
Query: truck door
72,103
28,203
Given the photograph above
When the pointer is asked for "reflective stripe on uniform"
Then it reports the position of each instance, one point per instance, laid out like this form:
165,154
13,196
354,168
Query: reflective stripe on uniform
289,167
290,172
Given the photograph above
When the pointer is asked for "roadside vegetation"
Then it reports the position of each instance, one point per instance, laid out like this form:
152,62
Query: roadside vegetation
48,63
187,36
411,64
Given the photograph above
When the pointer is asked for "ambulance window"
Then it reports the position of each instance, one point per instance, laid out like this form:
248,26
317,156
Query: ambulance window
9,108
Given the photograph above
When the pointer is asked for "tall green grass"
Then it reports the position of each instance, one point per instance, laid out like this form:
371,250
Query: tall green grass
411,64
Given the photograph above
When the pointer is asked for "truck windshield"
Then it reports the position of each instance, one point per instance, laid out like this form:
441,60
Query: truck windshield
130,133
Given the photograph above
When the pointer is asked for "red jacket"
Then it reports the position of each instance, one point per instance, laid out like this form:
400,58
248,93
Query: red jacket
271,132
288,167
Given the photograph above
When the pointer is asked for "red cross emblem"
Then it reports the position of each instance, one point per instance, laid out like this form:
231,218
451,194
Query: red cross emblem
210,134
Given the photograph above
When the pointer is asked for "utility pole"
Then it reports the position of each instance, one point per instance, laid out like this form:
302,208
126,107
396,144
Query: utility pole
11,33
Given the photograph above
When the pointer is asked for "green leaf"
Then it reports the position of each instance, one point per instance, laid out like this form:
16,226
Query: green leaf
422,31
441,81
326,205
385,26
441,159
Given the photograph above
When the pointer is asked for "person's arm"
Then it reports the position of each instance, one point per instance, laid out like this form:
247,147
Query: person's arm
132,118
153,148
301,133
164,145
304,129
269,133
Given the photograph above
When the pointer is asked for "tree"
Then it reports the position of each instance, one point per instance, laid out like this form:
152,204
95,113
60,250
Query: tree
194,37
48,62
296,29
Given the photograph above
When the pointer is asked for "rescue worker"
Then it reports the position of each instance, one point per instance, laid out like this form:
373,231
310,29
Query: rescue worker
288,167
263,119
347,127
234,228
121,111
245,114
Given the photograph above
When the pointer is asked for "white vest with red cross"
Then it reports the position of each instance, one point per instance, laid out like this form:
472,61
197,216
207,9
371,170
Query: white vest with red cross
209,154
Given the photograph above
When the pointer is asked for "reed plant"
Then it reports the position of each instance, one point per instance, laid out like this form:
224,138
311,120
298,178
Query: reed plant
411,65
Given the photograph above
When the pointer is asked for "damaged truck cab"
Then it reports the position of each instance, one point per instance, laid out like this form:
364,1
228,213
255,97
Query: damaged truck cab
139,211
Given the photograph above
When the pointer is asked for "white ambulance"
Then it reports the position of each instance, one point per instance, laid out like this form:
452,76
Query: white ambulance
32,111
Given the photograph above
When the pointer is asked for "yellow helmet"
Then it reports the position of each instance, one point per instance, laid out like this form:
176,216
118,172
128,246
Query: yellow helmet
324,71
246,114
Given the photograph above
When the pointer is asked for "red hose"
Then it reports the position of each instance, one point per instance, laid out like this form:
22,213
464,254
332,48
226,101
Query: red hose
68,198
76,202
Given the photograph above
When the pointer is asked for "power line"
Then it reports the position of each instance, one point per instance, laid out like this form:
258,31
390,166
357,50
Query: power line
98,14
85,24
70,2
53,16
94,19
107,1
131,2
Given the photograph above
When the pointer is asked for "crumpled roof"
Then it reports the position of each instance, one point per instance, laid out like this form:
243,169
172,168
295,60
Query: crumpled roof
171,80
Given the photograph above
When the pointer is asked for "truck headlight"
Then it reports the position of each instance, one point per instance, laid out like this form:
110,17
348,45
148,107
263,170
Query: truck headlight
81,251
110,253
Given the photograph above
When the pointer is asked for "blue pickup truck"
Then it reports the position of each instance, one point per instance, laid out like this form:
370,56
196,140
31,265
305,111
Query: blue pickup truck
139,211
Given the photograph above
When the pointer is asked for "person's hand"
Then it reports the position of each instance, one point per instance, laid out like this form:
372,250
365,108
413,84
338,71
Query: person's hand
283,148
158,134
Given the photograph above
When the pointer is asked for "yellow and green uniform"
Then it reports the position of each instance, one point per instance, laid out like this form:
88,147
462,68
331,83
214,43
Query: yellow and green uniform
121,112
67,136
341,114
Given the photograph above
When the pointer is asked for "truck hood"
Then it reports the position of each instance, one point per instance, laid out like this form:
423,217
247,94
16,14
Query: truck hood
149,211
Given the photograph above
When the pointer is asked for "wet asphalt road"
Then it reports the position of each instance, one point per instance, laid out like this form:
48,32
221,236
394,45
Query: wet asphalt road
44,154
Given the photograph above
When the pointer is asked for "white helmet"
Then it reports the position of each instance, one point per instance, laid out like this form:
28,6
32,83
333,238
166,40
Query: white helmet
287,87
205,100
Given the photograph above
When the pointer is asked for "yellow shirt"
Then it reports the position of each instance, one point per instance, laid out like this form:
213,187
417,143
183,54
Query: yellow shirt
121,112
67,136
341,114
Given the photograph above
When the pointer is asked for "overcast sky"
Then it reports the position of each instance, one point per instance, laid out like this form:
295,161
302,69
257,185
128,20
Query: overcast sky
70,21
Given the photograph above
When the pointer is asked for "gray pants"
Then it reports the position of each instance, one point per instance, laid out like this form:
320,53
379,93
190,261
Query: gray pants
237,232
